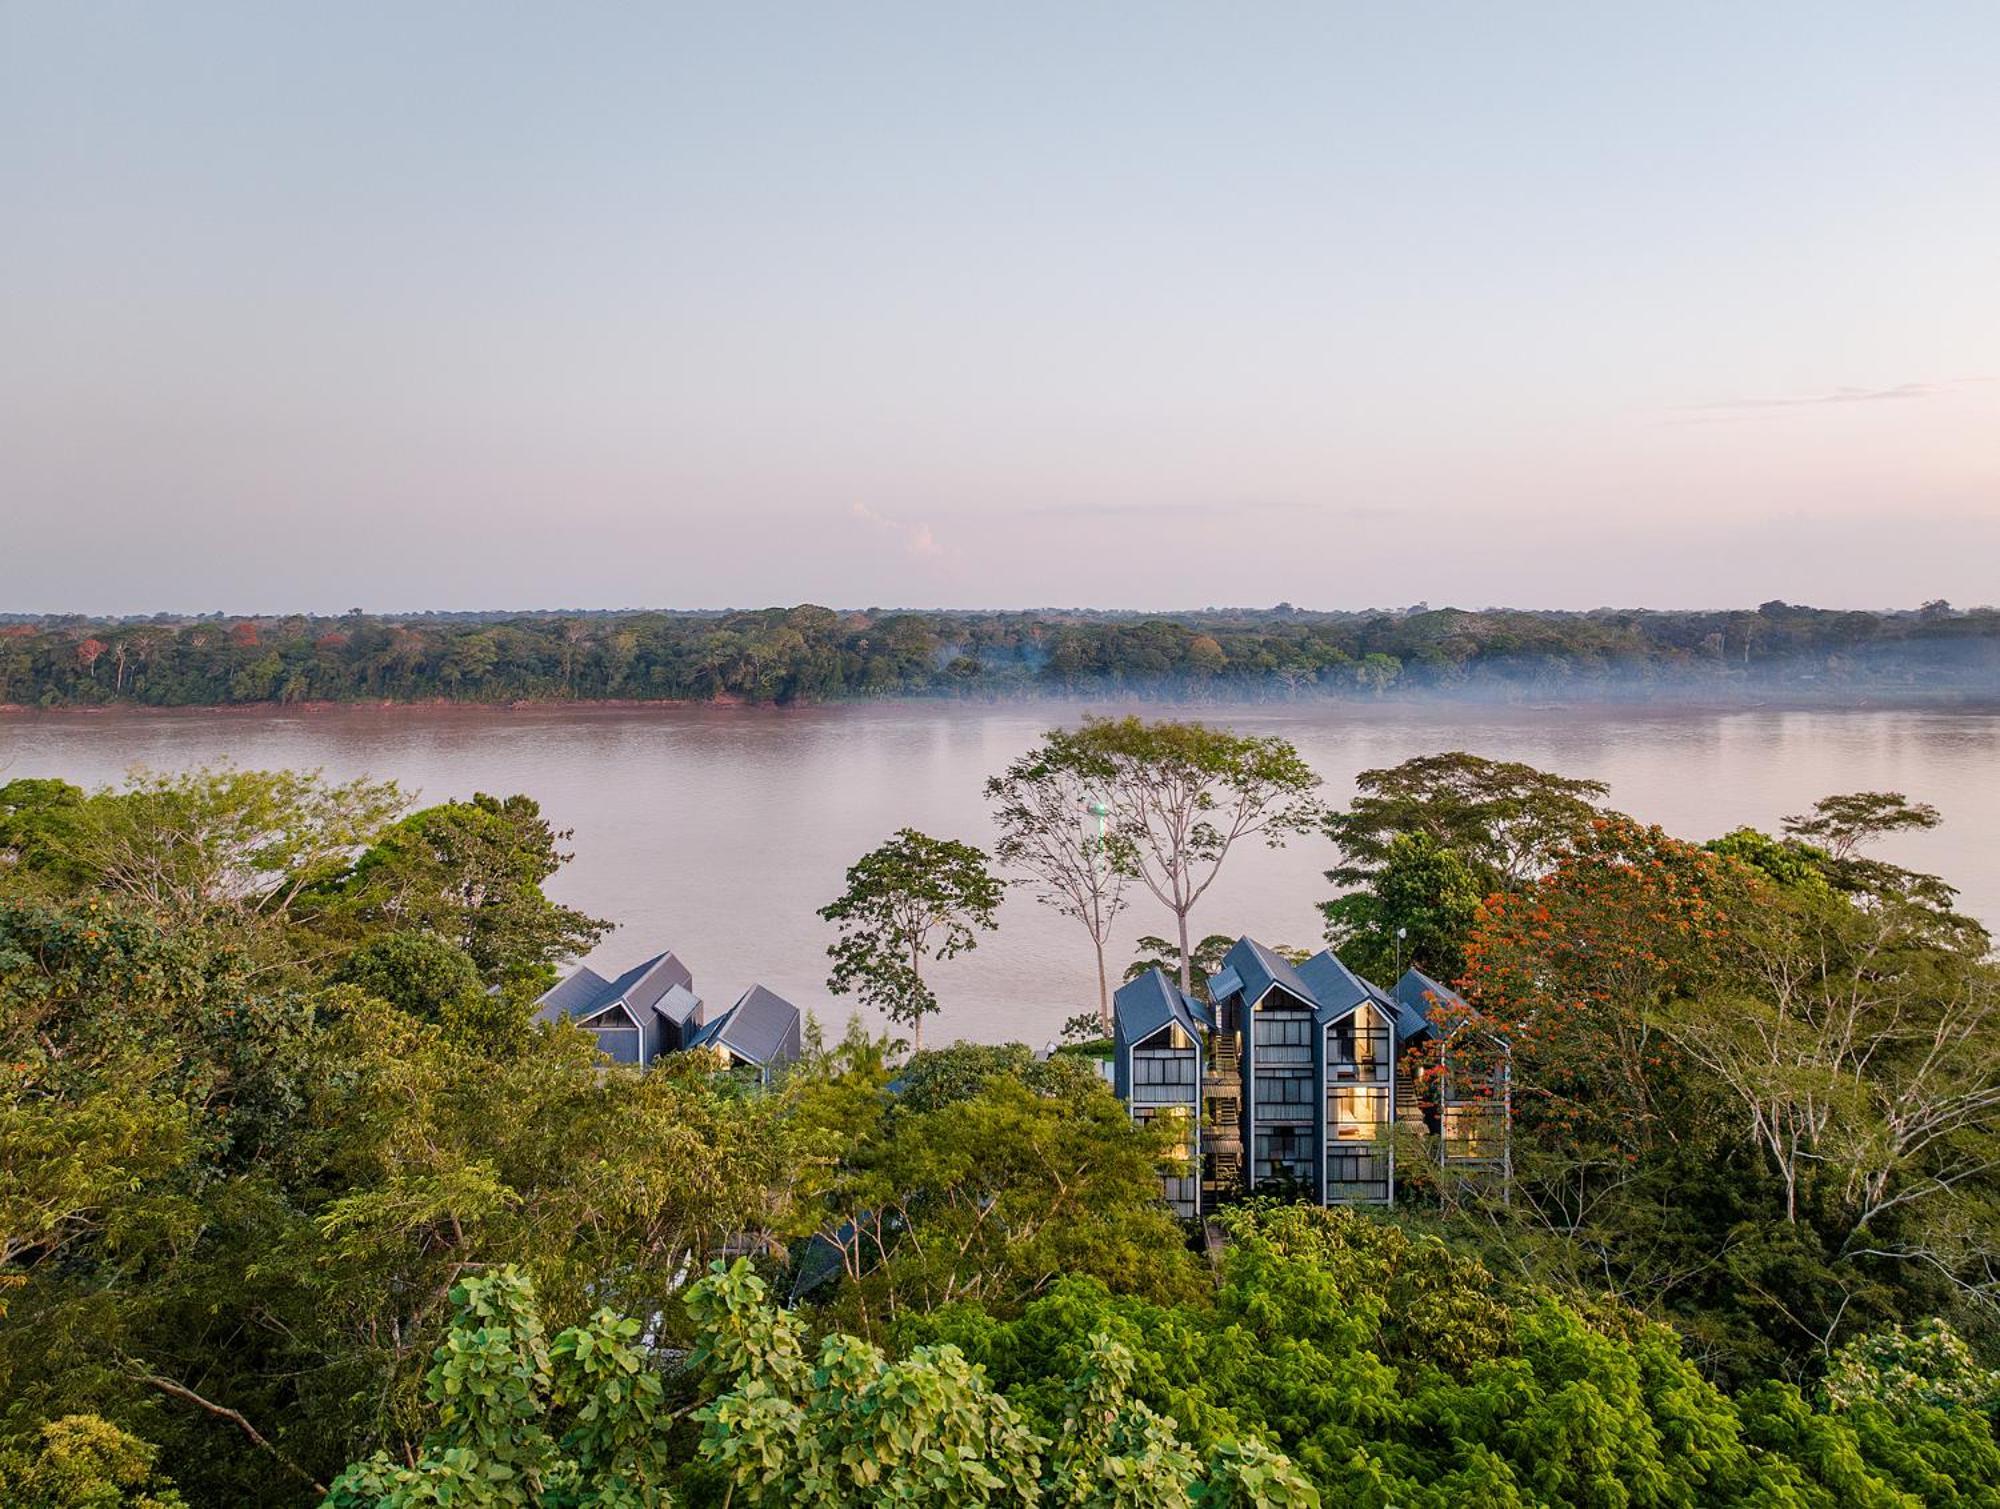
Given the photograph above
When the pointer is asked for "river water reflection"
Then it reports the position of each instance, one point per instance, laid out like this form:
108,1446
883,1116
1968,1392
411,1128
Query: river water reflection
719,832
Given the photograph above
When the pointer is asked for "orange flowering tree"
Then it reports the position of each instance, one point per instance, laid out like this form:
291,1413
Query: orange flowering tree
1566,975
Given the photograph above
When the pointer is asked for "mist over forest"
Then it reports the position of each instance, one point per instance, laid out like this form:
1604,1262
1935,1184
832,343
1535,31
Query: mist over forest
808,653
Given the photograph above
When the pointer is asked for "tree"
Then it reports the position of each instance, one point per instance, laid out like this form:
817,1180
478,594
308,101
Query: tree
220,840
1572,974
912,899
1418,911
1841,824
581,1421
1164,954
415,972
1507,821
986,1192
85,1462
1866,1064
1182,795
1051,823
471,873
522,1420
41,823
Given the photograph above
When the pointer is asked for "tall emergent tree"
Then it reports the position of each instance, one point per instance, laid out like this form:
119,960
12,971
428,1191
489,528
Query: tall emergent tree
1182,795
1053,824
908,900
1506,820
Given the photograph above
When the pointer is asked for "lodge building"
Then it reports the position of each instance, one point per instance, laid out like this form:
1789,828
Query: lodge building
1292,1080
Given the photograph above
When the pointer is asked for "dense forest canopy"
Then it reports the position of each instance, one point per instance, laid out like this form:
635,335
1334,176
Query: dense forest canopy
301,1204
809,653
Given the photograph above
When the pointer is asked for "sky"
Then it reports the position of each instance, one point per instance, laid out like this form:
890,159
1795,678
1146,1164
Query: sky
1153,305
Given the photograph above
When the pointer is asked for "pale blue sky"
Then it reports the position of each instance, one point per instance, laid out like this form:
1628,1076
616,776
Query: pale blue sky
409,305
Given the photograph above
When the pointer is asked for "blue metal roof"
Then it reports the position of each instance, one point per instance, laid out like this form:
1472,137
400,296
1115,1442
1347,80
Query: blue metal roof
586,992
1145,1005
1416,992
1335,988
755,1029
1256,969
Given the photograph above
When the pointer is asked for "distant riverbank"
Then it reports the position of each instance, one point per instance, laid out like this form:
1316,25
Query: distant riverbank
1773,654
1694,699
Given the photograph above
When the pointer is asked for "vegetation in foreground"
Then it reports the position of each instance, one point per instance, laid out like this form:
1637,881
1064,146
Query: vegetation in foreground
297,1204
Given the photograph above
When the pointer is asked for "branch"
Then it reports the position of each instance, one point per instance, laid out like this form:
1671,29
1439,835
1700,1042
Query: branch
188,1396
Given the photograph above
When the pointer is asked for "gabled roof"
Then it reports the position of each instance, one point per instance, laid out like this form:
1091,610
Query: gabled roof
642,986
1337,989
679,1005
1256,969
1145,1005
754,1029
586,992
1415,994
581,995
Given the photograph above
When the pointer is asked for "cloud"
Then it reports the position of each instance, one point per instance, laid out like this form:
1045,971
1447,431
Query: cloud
1837,395
1155,510
1905,390
918,539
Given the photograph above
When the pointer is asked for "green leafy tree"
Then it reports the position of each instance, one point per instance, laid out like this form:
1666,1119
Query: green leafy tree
85,1462
1507,821
1419,909
1926,1365
470,873
420,973
989,1196
1841,824
911,900
939,1076
41,823
521,1420
215,842
1165,954
582,1421
1043,806
928,1429
1182,795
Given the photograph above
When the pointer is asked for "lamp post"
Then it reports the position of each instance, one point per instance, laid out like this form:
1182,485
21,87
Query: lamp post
1401,934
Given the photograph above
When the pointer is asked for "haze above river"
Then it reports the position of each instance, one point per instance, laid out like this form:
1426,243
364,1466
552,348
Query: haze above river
719,832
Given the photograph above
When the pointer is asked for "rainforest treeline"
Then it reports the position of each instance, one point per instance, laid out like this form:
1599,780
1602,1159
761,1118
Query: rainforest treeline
301,1204
810,654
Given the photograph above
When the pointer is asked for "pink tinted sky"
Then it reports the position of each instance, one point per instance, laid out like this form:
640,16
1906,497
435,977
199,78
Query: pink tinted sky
1121,305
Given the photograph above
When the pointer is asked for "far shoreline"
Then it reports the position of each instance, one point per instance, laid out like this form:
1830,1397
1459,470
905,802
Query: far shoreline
1974,703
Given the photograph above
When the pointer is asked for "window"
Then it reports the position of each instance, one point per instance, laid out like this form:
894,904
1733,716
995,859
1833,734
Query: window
1283,1037
1357,1115
1475,1132
1164,1075
1285,1096
1358,1050
1183,1126
1352,1176
1181,1184
1163,1068
1283,1153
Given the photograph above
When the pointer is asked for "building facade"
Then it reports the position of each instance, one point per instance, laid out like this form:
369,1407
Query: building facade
1287,1081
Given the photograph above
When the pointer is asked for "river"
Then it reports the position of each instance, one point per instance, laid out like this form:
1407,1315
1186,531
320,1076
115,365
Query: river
718,832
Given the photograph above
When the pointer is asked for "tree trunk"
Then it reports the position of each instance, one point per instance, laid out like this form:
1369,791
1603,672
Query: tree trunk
1103,993
1187,964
